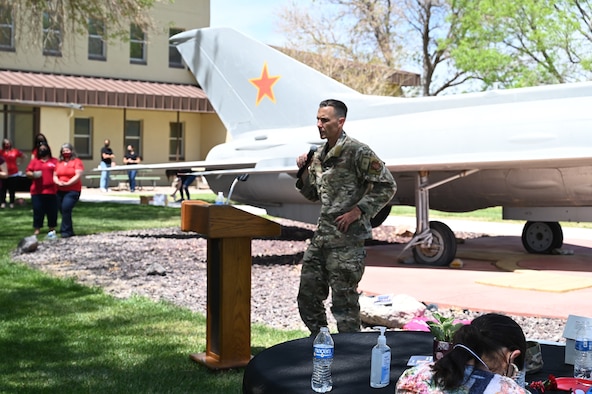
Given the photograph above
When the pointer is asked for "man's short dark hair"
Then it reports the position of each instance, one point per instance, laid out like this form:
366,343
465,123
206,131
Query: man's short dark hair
339,106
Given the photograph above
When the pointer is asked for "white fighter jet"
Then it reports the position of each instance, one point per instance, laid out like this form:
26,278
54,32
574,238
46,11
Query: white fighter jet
528,150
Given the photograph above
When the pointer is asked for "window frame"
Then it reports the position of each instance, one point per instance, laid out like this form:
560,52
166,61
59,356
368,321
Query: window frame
173,51
96,36
86,137
134,140
176,141
7,24
138,42
52,35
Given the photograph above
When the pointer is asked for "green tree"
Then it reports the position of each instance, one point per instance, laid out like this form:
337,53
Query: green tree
383,34
433,26
514,43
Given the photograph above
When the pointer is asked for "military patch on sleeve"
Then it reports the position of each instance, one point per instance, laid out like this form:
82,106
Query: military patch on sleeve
375,167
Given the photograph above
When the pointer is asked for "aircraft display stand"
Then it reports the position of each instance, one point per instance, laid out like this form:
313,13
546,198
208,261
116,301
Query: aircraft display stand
228,320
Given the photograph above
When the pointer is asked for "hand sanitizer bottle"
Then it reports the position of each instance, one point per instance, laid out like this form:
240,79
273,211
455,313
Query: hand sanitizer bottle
380,370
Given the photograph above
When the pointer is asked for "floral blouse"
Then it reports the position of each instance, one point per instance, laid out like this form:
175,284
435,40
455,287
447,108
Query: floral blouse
418,380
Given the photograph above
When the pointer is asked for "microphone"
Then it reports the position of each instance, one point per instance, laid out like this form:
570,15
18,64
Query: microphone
313,149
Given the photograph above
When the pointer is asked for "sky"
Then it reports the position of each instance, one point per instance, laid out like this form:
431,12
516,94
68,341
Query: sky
255,18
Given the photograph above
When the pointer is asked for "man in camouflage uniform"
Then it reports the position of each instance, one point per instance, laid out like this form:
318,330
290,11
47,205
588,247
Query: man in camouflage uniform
352,185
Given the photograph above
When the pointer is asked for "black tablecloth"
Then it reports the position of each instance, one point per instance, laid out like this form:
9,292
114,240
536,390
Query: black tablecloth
287,367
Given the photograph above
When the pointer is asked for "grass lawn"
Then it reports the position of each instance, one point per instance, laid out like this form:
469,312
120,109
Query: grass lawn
57,336
60,337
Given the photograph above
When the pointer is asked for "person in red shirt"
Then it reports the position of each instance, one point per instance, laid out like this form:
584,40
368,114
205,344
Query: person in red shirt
39,138
67,176
12,156
43,189
3,170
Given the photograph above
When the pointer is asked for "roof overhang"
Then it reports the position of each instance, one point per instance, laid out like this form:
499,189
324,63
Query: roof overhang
27,88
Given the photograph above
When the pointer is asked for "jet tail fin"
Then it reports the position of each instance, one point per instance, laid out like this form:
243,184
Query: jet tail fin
253,86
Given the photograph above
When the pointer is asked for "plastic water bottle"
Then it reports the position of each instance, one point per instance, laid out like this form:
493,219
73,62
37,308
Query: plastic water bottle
583,354
322,358
220,198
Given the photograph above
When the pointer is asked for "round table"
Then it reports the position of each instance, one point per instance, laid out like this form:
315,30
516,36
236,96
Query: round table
287,367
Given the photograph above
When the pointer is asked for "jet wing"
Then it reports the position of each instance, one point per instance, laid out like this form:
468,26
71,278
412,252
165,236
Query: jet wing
285,165
201,165
556,158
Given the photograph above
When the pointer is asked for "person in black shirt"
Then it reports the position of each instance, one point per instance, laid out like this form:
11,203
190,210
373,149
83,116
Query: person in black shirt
107,157
131,157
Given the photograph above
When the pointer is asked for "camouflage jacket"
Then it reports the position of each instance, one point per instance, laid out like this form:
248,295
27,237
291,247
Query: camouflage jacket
347,175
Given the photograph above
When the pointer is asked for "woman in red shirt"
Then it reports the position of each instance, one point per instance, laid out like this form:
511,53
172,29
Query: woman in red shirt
67,176
12,157
39,139
3,170
43,189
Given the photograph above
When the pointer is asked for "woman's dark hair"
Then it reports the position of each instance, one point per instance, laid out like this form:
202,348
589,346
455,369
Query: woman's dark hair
39,139
486,335
43,144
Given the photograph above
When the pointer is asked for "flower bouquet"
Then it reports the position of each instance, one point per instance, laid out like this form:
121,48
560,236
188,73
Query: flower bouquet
544,385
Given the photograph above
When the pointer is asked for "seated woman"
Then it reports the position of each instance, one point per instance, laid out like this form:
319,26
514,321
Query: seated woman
484,359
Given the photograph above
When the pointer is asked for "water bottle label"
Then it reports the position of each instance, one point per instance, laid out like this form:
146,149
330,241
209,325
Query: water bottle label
323,352
583,345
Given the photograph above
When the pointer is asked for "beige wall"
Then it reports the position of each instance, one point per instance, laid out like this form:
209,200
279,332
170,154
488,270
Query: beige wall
214,133
54,123
182,14
202,132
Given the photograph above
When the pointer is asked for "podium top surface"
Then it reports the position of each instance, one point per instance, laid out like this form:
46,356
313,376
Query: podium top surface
224,221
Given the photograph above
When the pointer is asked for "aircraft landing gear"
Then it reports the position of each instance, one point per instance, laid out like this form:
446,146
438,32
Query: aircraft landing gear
542,237
433,243
440,250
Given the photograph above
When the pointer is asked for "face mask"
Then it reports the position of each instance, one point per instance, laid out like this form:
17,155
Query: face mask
66,155
43,153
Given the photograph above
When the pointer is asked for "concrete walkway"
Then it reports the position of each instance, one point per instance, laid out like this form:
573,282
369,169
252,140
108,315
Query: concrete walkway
498,258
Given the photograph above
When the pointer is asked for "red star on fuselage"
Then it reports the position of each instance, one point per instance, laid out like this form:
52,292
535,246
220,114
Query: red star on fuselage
264,85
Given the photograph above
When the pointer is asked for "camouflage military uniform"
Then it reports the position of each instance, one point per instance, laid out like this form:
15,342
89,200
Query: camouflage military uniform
347,175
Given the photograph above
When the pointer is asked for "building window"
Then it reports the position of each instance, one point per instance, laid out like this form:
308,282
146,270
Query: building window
52,35
96,43
6,28
83,137
133,135
137,45
175,59
20,124
176,142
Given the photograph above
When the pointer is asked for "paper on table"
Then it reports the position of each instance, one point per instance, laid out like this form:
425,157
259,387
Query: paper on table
416,360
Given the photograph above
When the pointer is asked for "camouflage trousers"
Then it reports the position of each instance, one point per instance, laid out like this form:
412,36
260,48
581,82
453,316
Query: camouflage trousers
339,269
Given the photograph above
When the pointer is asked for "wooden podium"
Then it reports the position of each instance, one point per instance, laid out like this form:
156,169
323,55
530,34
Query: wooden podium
229,231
